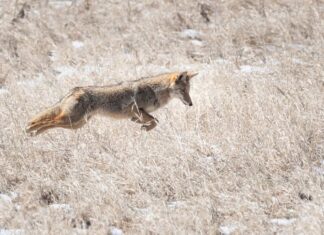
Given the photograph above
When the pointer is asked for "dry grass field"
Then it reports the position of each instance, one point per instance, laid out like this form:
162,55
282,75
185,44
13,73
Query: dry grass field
247,158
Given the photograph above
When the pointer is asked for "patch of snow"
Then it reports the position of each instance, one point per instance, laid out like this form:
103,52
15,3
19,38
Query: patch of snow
64,71
143,210
60,3
5,199
11,231
221,61
299,61
146,213
13,195
296,46
272,61
77,44
227,229
274,200
216,149
271,48
190,33
208,160
282,221
319,170
176,204
64,207
4,91
116,231
197,42
252,69
80,231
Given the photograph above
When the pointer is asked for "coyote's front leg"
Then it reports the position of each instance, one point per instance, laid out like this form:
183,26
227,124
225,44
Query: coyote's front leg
141,116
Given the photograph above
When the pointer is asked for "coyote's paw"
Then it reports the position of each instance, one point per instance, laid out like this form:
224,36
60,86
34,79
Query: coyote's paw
145,128
148,127
138,120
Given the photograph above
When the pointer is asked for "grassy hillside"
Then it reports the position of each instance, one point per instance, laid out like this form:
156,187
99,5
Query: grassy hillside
247,158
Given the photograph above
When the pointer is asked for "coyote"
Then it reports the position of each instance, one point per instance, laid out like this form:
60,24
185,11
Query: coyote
133,99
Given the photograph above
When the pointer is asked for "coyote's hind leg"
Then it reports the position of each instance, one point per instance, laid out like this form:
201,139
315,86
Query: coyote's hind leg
70,118
71,112
63,123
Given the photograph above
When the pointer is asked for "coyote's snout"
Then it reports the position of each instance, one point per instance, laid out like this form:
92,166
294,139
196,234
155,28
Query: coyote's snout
134,100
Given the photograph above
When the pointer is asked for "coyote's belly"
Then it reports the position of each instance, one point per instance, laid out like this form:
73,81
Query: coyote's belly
112,114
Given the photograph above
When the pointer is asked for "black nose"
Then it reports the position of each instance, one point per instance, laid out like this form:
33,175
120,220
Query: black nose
190,104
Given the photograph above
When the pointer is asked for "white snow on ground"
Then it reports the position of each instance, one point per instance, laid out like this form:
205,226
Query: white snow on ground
221,61
13,195
63,207
190,33
80,231
116,231
320,170
145,212
11,231
5,199
296,46
282,221
298,61
77,44
252,69
6,202
197,43
4,91
176,204
227,229
208,160
272,61
60,4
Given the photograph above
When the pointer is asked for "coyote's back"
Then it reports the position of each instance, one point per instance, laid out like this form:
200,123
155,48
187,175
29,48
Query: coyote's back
133,100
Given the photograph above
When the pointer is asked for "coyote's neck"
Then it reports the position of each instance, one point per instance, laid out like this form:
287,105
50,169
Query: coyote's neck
163,96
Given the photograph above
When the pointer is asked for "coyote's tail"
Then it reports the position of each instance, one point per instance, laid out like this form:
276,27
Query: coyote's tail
43,119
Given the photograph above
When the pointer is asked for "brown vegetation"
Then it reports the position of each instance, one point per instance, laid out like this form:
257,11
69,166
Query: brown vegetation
246,158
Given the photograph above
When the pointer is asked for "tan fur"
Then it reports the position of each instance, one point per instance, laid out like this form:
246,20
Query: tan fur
134,100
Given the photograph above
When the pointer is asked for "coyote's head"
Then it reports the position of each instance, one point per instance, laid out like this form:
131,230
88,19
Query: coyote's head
181,86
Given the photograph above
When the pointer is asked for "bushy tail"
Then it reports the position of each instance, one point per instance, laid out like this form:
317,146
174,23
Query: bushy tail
43,120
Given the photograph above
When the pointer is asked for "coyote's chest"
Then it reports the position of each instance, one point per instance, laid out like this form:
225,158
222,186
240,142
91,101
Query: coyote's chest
150,97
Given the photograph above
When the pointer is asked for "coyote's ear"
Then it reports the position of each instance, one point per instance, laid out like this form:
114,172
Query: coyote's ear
191,75
182,77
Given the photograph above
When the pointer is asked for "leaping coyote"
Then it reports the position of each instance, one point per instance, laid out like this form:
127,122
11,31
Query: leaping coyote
133,99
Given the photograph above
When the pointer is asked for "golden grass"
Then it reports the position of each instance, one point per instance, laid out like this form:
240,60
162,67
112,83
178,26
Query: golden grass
246,158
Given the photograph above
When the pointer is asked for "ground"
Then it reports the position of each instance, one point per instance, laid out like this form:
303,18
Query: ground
247,158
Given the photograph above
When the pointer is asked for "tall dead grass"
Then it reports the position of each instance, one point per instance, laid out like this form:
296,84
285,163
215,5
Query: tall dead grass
246,158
